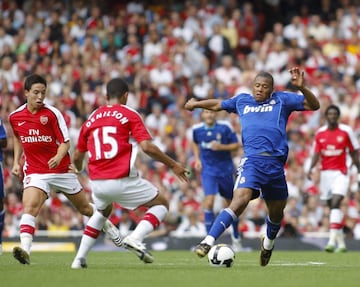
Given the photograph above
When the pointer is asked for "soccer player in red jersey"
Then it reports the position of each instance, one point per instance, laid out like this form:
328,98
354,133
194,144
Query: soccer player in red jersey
333,143
3,144
41,135
110,136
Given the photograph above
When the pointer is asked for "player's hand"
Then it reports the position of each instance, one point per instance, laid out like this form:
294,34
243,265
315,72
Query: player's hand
53,162
16,170
73,169
215,145
189,105
297,77
309,175
181,172
198,165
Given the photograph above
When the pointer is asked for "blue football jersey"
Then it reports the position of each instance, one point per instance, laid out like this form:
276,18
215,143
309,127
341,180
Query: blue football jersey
264,124
215,162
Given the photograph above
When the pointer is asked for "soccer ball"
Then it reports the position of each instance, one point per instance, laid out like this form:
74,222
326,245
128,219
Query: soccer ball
221,255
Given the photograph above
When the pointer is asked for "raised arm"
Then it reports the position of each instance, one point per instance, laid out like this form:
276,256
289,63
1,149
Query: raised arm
297,79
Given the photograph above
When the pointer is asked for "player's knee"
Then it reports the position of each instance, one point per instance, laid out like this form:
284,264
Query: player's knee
208,203
161,200
276,216
86,210
165,203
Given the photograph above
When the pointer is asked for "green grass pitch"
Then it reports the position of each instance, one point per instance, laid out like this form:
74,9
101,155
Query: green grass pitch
182,268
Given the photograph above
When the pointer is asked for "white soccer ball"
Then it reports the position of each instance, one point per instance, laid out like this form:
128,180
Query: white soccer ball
221,255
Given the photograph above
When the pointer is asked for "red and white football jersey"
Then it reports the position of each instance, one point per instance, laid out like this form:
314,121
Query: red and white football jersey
106,136
40,135
333,146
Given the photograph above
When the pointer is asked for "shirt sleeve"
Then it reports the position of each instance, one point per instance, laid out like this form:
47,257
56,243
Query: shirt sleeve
229,105
138,129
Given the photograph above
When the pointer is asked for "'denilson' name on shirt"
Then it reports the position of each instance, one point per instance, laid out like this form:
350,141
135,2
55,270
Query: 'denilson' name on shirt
113,114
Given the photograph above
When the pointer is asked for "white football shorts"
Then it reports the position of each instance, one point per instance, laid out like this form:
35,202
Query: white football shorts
129,192
63,182
333,182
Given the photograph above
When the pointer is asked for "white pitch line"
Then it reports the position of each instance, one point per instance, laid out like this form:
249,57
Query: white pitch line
310,263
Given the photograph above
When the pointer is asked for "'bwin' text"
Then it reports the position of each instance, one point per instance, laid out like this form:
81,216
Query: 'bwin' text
259,109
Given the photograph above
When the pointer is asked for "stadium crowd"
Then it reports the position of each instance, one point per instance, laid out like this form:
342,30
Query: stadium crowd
169,51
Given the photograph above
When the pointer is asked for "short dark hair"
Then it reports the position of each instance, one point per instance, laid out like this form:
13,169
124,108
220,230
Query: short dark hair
33,79
332,107
267,75
116,88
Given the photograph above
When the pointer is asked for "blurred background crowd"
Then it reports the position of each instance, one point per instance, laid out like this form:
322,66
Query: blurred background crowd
169,51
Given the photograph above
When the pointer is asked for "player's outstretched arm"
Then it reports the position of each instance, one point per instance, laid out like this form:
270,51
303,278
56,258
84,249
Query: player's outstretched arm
154,152
210,104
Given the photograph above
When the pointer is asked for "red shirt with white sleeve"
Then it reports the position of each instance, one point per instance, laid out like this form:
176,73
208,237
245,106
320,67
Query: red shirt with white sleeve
107,136
40,135
333,146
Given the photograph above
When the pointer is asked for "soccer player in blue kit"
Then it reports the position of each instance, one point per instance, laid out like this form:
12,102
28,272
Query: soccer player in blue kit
263,117
213,143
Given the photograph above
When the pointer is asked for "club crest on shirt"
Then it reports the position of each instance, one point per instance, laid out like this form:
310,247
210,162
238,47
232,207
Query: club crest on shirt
339,139
44,120
242,179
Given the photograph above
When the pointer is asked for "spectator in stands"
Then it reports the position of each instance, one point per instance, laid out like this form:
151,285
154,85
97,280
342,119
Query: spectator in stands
228,72
201,87
317,29
152,47
33,29
191,224
295,32
5,39
217,46
157,120
162,81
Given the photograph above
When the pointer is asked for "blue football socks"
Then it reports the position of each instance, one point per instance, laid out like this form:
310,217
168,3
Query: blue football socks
222,222
272,229
209,217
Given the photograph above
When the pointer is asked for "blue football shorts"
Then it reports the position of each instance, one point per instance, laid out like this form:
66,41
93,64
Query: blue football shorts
223,185
264,174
